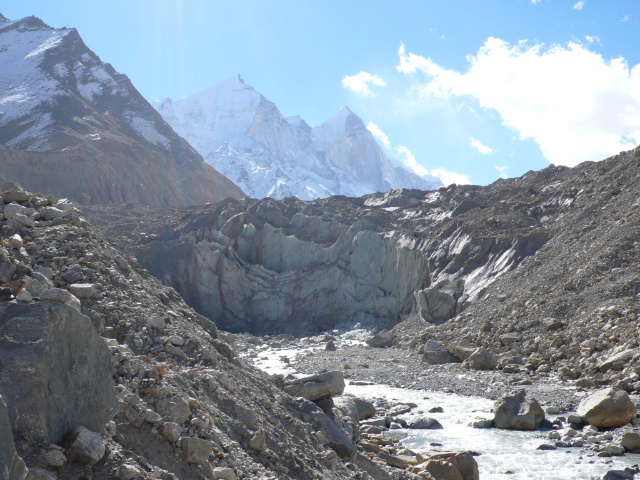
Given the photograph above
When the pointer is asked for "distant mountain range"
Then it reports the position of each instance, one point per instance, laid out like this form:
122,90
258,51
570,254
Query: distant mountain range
245,137
73,126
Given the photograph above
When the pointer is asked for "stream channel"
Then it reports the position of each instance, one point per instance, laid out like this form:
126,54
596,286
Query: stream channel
501,454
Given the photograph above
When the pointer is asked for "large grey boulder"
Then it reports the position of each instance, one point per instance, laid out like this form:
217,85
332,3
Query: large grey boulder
11,465
56,371
463,461
424,423
196,450
176,408
518,411
607,408
382,339
315,387
435,354
355,408
337,439
87,447
12,192
434,304
481,359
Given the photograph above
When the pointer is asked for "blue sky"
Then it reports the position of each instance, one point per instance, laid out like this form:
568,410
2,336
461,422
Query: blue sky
467,90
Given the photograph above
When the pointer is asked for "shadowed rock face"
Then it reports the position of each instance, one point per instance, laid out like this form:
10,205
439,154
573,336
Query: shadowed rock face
55,371
12,467
262,272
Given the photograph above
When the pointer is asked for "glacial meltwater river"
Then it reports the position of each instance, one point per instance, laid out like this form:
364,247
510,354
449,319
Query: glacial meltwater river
502,454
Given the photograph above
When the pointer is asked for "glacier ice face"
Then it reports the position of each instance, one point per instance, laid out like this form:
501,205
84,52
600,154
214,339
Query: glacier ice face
245,137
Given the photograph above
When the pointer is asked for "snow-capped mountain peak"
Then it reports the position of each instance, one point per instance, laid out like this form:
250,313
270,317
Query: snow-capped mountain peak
56,95
246,138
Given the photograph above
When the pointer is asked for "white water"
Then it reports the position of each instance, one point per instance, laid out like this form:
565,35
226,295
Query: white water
501,451
504,454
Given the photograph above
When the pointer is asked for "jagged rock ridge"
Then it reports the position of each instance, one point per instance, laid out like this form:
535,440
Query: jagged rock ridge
88,132
244,136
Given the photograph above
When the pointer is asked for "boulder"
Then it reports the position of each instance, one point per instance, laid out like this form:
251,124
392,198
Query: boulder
630,441
618,475
435,354
481,359
382,339
518,411
463,461
55,295
337,439
11,465
12,192
315,387
607,408
552,324
83,290
372,468
7,267
619,360
73,274
171,431
195,450
435,304
258,442
510,338
176,408
56,371
128,472
86,447
424,423
38,283
355,408
442,470
51,213
224,473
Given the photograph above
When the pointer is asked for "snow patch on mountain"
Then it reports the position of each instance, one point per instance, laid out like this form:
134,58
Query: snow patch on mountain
22,85
42,67
245,137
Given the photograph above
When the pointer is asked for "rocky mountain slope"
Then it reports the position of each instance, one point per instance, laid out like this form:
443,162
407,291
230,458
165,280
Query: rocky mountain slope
244,136
541,270
73,126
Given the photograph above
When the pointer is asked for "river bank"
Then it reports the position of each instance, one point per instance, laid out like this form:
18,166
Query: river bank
392,376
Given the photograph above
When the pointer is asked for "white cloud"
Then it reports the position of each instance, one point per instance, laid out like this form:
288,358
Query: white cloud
410,161
535,1
448,177
477,144
592,39
445,176
379,134
359,83
579,5
502,170
572,102
625,18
